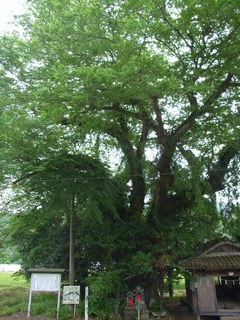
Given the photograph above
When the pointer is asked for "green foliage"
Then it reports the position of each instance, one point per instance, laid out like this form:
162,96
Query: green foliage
140,263
230,221
105,289
8,251
35,241
155,306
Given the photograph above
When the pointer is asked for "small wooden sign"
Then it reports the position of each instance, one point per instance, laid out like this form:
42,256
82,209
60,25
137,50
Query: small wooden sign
71,295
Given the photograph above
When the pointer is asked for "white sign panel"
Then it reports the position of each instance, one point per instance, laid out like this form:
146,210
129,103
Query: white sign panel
71,294
45,282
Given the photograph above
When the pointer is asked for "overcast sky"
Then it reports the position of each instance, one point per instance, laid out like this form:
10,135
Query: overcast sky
8,8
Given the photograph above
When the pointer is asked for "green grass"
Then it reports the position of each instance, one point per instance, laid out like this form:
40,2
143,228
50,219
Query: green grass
179,288
10,280
14,294
179,284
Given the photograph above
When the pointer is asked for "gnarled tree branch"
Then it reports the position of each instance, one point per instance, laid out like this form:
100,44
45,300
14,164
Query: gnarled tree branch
218,170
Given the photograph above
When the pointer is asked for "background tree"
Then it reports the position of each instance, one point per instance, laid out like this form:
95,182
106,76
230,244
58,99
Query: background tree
153,77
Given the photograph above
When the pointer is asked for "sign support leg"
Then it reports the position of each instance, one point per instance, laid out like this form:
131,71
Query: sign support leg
86,303
29,303
58,303
74,311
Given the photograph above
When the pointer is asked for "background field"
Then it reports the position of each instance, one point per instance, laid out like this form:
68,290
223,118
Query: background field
13,293
10,280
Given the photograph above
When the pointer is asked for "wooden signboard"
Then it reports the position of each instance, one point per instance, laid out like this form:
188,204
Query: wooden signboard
48,282
45,280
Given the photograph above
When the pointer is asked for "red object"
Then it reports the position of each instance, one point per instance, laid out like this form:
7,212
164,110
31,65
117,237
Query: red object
138,297
130,302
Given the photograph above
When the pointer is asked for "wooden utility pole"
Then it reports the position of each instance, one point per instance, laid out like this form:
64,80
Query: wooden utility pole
71,237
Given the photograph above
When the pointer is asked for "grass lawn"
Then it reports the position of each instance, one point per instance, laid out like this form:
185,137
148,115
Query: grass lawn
179,288
9,280
13,293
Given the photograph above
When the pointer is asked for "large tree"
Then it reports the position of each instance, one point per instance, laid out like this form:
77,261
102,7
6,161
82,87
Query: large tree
155,83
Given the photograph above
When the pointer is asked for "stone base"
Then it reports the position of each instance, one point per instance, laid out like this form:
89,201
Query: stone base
131,313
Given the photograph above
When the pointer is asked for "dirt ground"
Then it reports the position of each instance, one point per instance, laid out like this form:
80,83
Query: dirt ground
181,312
23,316
178,312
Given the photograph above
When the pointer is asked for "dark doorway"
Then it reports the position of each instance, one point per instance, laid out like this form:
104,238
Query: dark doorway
228,292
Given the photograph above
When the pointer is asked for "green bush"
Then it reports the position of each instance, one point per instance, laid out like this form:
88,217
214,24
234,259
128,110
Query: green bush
104,288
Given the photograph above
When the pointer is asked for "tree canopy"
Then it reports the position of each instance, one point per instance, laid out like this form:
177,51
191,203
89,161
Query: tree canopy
150,88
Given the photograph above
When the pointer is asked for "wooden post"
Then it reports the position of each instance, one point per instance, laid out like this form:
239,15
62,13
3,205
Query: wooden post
86,303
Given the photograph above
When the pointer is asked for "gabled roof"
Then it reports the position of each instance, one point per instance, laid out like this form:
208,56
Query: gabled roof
221,254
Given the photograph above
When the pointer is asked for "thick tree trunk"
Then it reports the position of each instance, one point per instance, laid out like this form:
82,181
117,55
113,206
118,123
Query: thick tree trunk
151,291
170,282
155,289
161,286
135,163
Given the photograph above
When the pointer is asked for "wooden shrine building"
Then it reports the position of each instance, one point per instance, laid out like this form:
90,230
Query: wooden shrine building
213,286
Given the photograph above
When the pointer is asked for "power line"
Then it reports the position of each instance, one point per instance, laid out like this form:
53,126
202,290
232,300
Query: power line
106,178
